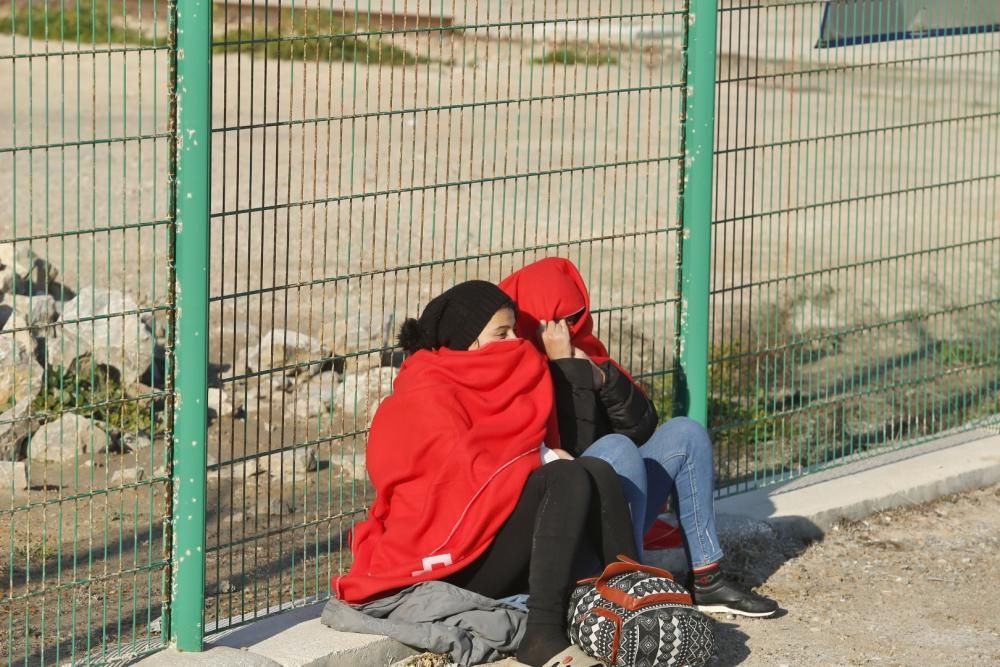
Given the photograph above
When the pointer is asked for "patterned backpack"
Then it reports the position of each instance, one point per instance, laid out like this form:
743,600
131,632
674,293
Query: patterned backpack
634,615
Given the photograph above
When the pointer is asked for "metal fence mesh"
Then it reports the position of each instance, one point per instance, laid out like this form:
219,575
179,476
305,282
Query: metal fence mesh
84,241
367,155
857,240
363,161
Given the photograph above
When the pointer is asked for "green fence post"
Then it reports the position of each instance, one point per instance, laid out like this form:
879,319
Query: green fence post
699,58
191,86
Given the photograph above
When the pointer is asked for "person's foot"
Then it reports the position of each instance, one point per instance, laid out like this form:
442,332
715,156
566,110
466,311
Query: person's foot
713,593
726,597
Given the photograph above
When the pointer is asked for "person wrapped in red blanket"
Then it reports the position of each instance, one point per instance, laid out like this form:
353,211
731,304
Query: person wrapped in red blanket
462,495
604,413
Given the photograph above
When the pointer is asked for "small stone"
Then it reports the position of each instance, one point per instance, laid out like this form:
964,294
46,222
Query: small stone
22,271
288,463
279,507
35,311
360,394
219,402
93,323
16,425
128,476
316,397
13,476
21,379
131,442
66,438
293,352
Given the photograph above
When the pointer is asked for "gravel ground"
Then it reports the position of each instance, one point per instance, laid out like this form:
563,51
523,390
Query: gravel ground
912,586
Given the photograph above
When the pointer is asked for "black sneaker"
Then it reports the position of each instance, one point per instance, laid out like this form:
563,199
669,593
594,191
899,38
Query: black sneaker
725,597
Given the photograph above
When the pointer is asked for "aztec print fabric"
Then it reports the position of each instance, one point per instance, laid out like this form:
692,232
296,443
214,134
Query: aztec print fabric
636,616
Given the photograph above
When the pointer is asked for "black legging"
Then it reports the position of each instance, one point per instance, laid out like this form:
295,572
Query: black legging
571,521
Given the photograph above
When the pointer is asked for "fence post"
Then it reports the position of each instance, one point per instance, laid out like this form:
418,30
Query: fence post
191,102
697,144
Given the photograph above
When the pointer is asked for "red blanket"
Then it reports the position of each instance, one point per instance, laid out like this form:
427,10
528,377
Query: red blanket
448,454
553,289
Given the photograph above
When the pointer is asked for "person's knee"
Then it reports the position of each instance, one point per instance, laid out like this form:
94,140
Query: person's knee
568,480
600,470
692,434
620,453
614,441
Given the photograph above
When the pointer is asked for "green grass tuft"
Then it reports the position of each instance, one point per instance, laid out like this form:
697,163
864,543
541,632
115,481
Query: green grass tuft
78,21
87,390
571,56
313,35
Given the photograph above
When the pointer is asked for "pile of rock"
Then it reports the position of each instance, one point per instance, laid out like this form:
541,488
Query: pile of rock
46,328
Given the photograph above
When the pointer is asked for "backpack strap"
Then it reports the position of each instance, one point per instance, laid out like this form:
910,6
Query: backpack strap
630,602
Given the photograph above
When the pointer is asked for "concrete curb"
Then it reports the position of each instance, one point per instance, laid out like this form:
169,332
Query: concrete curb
807,507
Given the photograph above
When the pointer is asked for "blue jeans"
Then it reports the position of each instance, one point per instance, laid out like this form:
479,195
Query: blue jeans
676,461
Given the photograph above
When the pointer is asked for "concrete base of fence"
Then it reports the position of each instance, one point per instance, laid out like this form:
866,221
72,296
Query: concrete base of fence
805,508
808,506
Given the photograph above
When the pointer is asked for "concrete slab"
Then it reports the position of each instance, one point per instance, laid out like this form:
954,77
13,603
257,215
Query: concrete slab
810,505
218,655
297,638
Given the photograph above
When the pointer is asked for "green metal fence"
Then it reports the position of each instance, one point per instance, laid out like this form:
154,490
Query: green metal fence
856,265
85,232
243,200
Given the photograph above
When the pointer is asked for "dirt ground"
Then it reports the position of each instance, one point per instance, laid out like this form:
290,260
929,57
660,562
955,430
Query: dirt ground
912,586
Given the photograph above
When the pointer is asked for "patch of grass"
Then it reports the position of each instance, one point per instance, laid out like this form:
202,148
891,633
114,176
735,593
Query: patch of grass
95,391
968,354
313,35
573,56
78,21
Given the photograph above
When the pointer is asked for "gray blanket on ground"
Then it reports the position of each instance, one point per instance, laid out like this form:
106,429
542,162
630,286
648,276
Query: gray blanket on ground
438,617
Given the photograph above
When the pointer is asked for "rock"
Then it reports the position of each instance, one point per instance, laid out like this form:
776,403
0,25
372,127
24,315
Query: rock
360,394
16,425
131,442
35,311
288,463
219,402
64,439
317,396
127,476
123,342
21,376
282,349
23,272
353,468
280,506
13,476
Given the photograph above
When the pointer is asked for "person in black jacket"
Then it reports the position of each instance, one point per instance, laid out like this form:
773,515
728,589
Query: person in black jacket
604,413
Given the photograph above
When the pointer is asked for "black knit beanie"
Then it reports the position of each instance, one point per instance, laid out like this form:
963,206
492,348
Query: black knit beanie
454,318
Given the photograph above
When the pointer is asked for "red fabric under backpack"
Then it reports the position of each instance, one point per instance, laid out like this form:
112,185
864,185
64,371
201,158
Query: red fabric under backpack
448,454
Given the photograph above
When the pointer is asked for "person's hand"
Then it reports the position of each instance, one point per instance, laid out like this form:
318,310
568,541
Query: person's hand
563,454
555,337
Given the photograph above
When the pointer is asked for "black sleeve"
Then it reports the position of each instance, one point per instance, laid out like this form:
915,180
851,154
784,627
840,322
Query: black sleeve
578,405
629,410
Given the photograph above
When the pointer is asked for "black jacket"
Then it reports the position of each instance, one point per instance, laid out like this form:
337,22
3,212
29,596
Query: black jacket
587,413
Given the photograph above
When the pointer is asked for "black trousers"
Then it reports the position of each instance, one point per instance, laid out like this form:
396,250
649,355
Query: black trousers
571,521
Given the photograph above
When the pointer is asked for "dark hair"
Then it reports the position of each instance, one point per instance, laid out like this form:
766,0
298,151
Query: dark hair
454,318
411,337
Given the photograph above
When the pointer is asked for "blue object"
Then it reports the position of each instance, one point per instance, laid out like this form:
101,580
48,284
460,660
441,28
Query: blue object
853,22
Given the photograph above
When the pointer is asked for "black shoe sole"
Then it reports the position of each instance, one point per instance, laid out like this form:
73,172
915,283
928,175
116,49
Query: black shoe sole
722,609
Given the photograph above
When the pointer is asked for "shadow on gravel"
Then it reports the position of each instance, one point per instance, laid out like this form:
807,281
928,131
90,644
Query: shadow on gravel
732,645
